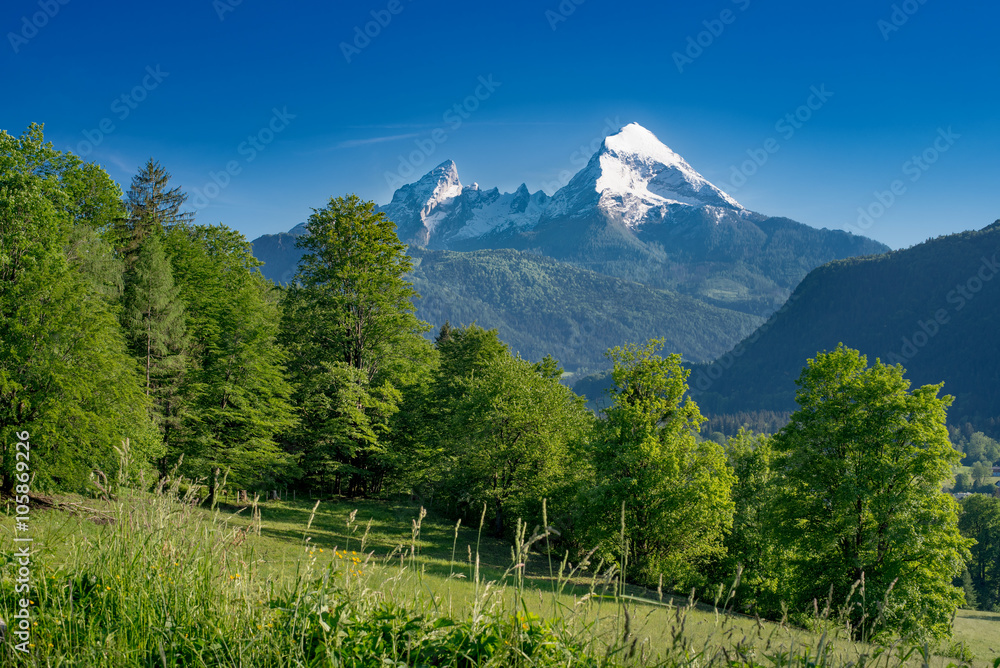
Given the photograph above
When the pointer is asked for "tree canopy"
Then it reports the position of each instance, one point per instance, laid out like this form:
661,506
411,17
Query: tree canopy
674,488
861,507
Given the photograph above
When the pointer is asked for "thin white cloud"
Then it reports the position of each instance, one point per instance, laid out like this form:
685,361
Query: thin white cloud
351,143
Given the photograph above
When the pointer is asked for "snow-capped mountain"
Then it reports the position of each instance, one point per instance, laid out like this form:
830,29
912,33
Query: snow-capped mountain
633,178
438,209
637,211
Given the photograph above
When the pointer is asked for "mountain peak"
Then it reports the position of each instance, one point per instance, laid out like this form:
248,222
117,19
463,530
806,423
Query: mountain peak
446,172
633,139
634,164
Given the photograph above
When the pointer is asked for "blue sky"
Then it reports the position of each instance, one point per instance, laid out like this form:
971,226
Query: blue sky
265,97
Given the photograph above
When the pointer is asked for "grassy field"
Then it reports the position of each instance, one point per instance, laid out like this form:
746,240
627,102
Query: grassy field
150,581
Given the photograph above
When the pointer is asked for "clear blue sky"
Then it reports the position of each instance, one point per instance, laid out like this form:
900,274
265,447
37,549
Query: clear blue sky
218,80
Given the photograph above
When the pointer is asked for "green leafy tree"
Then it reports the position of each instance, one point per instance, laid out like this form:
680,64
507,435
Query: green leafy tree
348,322
424,426
674,487
962,482
549,367
751,548
238,398
981,447
968,589
981,472
863,461
514,435
65,374
980,521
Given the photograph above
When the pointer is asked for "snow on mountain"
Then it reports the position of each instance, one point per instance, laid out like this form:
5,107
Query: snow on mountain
633,177
634,162
438,209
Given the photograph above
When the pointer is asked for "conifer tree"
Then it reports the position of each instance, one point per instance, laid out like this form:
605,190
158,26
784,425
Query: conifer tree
154,320
152,207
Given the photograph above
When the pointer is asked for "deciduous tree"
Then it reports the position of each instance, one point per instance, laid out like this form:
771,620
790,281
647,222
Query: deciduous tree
861,508
65,374
348,322
675,488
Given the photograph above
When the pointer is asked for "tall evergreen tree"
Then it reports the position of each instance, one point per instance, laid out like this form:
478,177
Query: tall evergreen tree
152,207
154,321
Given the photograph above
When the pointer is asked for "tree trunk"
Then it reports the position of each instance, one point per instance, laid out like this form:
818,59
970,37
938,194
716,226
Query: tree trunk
213,487
498,520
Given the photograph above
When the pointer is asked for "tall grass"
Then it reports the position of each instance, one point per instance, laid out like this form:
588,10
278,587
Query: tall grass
158,582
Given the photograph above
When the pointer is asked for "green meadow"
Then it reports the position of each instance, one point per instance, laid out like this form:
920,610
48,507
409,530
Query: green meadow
152,579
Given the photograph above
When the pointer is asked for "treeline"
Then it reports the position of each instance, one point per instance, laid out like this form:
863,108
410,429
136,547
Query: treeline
124,319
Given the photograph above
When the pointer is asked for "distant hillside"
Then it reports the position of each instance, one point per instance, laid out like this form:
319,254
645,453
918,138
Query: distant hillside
279,254
541,306
934,308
